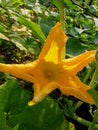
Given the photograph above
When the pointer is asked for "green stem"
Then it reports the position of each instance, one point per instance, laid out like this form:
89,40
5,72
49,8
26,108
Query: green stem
94,77
91,127
62,15
84,81
79,103
62,21
92,85
82,121
87,75
85,122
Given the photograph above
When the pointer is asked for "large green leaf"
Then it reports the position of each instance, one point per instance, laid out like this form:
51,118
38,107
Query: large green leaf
13,100
46,115
12,95
3,125
35,28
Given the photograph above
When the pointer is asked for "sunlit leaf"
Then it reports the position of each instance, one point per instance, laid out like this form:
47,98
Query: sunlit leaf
36,29
2,36
19,44
17,3
96,22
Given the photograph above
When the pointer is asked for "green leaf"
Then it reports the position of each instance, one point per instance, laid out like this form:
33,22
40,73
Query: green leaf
35,28
28,45
2,29
46,115
46,28
15,128
13,100
96,38
11,95
17,3
94,94
57,3
19,43
3,125
32,46
69,4
74,47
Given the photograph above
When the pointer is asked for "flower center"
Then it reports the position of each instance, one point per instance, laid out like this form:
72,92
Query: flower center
49,70
49,74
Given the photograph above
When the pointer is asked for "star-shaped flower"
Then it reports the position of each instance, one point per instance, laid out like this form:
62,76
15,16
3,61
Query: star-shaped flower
50,71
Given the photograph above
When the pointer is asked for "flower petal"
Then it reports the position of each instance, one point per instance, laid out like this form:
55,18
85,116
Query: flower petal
77,63
40,93
22,71
77,89
54,45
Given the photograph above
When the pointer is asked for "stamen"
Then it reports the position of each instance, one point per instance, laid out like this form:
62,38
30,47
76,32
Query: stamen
49,74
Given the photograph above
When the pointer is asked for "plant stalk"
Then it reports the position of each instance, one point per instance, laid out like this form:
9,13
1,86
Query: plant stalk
62,15
93,124
62,21
94,77
85,122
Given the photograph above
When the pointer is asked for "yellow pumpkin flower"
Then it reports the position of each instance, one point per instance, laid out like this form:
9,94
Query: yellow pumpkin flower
50,71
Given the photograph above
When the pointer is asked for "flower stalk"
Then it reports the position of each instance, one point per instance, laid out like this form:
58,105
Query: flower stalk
62,21
62,15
